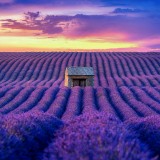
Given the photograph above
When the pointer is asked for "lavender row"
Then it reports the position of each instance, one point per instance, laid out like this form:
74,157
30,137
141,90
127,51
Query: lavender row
65,103
111,69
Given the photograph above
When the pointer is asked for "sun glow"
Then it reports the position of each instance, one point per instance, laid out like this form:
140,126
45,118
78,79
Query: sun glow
59,44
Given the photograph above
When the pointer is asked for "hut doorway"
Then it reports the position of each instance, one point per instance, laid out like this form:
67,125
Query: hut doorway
79,82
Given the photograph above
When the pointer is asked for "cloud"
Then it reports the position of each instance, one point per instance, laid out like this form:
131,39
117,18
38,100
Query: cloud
128,10
34,21
135,28
81,6
151,6
101,27
139,3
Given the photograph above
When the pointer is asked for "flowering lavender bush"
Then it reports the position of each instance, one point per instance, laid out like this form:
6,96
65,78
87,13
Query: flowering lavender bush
148,131
24,136
96,137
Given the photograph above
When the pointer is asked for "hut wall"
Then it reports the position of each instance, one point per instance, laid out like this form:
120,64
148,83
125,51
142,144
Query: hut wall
66,80
90,81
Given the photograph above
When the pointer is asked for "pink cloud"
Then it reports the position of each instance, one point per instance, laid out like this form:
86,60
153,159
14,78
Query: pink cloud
34,21
100,28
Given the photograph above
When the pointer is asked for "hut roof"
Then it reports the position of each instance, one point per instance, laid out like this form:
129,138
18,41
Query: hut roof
78,71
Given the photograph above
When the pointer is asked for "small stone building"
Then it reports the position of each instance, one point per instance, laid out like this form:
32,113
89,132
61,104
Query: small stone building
79,76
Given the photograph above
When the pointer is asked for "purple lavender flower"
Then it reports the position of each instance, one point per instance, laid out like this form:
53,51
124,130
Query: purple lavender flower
24,136
148,131
95,137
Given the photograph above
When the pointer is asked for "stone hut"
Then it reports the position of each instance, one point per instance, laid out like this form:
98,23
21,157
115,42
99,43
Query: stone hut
79,76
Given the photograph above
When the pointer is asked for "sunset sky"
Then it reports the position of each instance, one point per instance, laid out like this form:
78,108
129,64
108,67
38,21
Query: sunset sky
66,25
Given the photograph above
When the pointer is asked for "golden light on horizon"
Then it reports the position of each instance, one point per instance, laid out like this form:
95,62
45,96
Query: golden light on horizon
59,44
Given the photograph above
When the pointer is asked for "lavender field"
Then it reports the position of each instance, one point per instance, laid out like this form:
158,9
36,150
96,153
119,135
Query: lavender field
118,118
